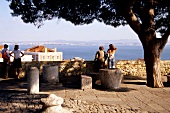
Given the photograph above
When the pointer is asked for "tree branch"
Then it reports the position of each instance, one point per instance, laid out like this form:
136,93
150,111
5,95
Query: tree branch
132,20
124,9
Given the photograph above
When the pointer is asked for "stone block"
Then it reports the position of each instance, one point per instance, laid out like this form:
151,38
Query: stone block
50,74
52,104
86,82
52,100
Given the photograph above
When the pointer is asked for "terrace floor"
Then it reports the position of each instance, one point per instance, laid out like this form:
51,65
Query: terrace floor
132,96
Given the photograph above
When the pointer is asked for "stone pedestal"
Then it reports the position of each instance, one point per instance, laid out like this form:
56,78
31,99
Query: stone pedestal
33,80
86,82
110,78
50,74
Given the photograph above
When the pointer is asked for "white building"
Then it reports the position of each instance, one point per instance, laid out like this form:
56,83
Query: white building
38,53
53,55
25,58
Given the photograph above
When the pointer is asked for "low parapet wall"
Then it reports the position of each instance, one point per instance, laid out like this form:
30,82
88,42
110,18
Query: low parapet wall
137,67
68,68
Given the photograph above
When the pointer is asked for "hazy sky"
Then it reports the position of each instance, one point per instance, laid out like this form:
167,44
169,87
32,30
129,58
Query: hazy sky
13,29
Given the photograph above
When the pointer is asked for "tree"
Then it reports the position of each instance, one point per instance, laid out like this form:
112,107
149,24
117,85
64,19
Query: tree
145,17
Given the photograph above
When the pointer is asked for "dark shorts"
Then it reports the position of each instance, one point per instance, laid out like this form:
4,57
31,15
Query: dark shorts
17,63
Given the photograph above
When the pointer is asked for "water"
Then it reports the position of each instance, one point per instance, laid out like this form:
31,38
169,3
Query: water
124,52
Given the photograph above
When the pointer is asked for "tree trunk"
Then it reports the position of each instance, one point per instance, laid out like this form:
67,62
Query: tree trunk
152,61
144,27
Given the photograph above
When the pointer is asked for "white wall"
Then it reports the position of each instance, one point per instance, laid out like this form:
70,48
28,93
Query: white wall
46,56
1,59
25,58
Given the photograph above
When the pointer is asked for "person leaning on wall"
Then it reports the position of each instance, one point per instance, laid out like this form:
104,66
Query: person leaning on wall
111,56
100,58
17,54
6,61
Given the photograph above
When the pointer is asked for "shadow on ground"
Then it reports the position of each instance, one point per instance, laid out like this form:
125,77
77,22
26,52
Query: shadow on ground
134,80
12,85
120,89
20,86
129,77
21,102
141,80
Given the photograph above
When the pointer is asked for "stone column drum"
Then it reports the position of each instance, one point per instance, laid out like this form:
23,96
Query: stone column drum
33,80
110,78
50,74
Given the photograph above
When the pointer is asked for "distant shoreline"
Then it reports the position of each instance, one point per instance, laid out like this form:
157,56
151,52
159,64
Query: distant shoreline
87,51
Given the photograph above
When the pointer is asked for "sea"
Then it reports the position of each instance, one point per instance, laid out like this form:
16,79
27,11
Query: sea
87,52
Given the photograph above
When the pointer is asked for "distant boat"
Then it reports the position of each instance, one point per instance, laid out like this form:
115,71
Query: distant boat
77,59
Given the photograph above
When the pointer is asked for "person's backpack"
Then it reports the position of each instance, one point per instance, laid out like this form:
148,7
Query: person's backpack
4,55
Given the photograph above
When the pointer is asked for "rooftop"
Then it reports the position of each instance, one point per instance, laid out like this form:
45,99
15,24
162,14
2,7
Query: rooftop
39,48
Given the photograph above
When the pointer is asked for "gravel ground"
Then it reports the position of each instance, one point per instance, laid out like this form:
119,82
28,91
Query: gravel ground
23,103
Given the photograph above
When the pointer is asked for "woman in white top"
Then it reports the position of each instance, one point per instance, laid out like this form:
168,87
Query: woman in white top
111,56
17,59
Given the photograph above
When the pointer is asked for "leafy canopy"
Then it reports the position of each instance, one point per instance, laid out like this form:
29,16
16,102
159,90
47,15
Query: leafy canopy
82,12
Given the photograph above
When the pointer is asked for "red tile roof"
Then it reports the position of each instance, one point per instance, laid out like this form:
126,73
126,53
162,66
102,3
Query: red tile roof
1,47
39,48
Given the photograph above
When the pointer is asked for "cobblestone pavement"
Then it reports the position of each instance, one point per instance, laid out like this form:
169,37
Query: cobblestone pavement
133,96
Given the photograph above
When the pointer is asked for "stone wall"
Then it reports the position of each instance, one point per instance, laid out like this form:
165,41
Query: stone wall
137,67
68,68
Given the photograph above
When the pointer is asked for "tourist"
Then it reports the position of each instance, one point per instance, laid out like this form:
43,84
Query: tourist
6,60
17,54
111,56
100,58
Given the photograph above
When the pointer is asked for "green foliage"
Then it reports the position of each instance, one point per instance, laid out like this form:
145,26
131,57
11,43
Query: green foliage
86,11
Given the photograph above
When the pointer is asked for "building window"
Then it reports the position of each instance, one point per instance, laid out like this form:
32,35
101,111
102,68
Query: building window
53,57
48,57
43,57
57,57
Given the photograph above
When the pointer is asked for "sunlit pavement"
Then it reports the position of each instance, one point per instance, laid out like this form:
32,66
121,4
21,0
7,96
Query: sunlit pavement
132,94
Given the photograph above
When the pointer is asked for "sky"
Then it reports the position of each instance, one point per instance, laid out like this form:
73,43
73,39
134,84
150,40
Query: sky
14,29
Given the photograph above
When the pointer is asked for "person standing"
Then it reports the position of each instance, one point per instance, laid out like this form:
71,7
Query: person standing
111,56
17,54
100,58
6,60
